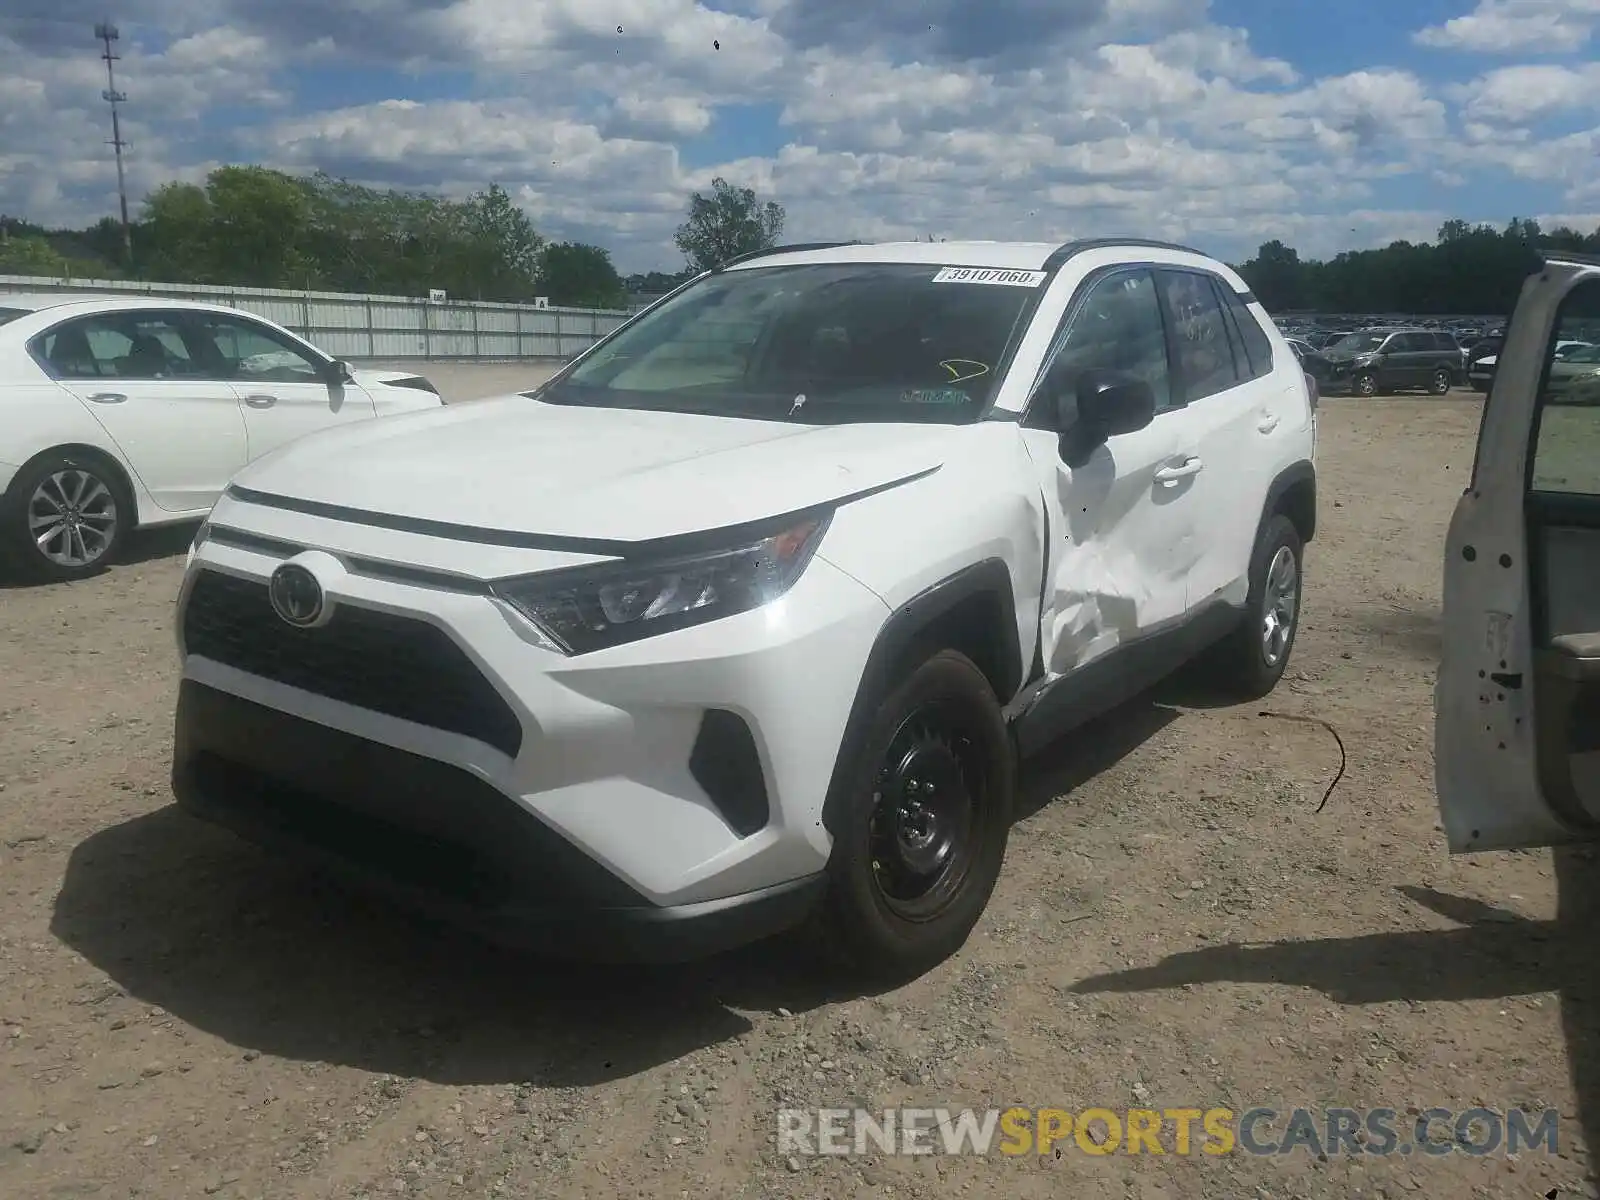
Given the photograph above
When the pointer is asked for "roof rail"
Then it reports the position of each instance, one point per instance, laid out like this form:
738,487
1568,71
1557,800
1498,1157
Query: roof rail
1068,250
794,248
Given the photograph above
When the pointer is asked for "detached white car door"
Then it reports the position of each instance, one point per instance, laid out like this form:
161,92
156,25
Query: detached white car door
180,431
1517,735
287,390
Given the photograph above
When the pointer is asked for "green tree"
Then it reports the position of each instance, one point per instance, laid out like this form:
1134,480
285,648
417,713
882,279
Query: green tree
30,254
573,273
1276,277
730,222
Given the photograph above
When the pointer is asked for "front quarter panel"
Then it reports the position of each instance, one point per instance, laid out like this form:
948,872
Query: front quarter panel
982,504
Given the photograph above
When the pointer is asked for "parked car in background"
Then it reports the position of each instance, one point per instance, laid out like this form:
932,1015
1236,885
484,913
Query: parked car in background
741,621
1575,375
1383,360
119,412
1485,356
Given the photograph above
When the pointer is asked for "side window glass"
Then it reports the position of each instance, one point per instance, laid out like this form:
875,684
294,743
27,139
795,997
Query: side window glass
1118,327
1257,346
1400,343
1566,456
127,345
249,353
1205,357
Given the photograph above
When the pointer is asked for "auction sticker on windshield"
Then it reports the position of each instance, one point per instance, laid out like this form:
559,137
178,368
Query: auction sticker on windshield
989,275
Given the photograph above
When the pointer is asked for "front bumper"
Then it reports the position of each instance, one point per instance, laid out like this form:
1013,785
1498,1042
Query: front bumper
673,782
437,839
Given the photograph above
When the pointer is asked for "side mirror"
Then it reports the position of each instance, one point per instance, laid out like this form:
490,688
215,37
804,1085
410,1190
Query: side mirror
1097,405
1110,402
340,371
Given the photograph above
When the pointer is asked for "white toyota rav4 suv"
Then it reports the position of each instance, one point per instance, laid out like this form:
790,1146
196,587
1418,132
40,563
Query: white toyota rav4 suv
741,621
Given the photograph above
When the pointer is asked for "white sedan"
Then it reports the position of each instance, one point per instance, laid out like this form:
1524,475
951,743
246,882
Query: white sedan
119,412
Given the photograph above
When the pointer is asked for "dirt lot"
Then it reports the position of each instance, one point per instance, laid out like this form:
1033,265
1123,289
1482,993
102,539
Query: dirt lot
1177,926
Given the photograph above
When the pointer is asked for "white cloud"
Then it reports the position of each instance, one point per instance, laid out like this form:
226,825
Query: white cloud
1065,118
1525,94
1517,26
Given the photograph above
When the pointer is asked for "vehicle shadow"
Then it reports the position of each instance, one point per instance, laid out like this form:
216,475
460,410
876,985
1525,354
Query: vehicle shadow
1494,953
141,546
272,958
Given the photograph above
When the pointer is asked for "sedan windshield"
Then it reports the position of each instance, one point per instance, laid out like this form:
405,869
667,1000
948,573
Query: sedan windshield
816,342
1357,343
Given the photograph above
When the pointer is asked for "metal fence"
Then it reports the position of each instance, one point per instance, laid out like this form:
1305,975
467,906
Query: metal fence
378,327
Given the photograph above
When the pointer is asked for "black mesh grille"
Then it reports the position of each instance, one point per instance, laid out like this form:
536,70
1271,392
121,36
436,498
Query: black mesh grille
400,666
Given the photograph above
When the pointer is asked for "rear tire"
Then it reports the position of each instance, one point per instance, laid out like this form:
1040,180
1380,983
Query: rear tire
1441,382
64,517
923,812
1249,662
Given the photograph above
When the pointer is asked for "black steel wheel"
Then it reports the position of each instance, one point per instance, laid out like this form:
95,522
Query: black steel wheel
920,814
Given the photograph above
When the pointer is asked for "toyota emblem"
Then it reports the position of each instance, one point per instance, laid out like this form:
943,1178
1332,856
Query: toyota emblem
295,594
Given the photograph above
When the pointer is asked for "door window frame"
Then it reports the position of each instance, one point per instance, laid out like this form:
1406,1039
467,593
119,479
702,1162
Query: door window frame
1028,418
321,363
170,316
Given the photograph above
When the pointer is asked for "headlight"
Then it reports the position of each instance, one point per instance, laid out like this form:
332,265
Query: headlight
592,608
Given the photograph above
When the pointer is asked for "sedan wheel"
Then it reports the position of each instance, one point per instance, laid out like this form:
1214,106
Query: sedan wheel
63,519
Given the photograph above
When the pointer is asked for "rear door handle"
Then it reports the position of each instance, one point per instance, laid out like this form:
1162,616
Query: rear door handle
260,400
108,397
1191,466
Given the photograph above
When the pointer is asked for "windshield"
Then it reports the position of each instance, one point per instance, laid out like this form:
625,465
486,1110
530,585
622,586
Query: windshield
1584,354
815,342
1357,343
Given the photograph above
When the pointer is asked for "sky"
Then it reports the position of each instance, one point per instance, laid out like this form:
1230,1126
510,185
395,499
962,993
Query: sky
1220,123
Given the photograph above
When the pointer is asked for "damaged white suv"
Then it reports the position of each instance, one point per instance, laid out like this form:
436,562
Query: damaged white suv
743,619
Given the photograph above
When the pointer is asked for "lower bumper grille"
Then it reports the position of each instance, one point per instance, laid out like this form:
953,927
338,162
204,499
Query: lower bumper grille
401,666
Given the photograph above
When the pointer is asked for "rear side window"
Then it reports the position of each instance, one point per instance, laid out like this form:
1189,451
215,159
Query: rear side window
1205,358
1445,342
1257,358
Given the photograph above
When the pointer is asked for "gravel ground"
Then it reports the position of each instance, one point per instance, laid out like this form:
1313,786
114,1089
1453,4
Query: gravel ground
182,1015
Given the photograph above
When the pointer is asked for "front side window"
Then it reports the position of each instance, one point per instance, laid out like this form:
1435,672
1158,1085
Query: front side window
248,353
1205,355
815,342
1118,327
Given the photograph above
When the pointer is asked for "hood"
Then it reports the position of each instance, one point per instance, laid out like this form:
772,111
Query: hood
520,465
368,376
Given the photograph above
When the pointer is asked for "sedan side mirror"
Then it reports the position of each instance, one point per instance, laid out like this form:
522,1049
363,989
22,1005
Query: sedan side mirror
340,371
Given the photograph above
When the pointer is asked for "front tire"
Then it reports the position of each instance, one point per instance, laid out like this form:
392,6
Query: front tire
922,815
63,518
1365,385
1250,661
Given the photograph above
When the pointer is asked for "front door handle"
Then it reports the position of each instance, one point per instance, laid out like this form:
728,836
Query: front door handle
260,400
1191,466
1268,422
108,397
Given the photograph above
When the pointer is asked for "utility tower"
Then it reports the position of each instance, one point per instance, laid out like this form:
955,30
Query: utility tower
107,33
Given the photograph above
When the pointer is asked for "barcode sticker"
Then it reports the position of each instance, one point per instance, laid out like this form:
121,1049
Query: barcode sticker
995,275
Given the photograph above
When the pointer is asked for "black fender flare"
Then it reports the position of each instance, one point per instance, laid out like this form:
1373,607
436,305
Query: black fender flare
1296,474
901,631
